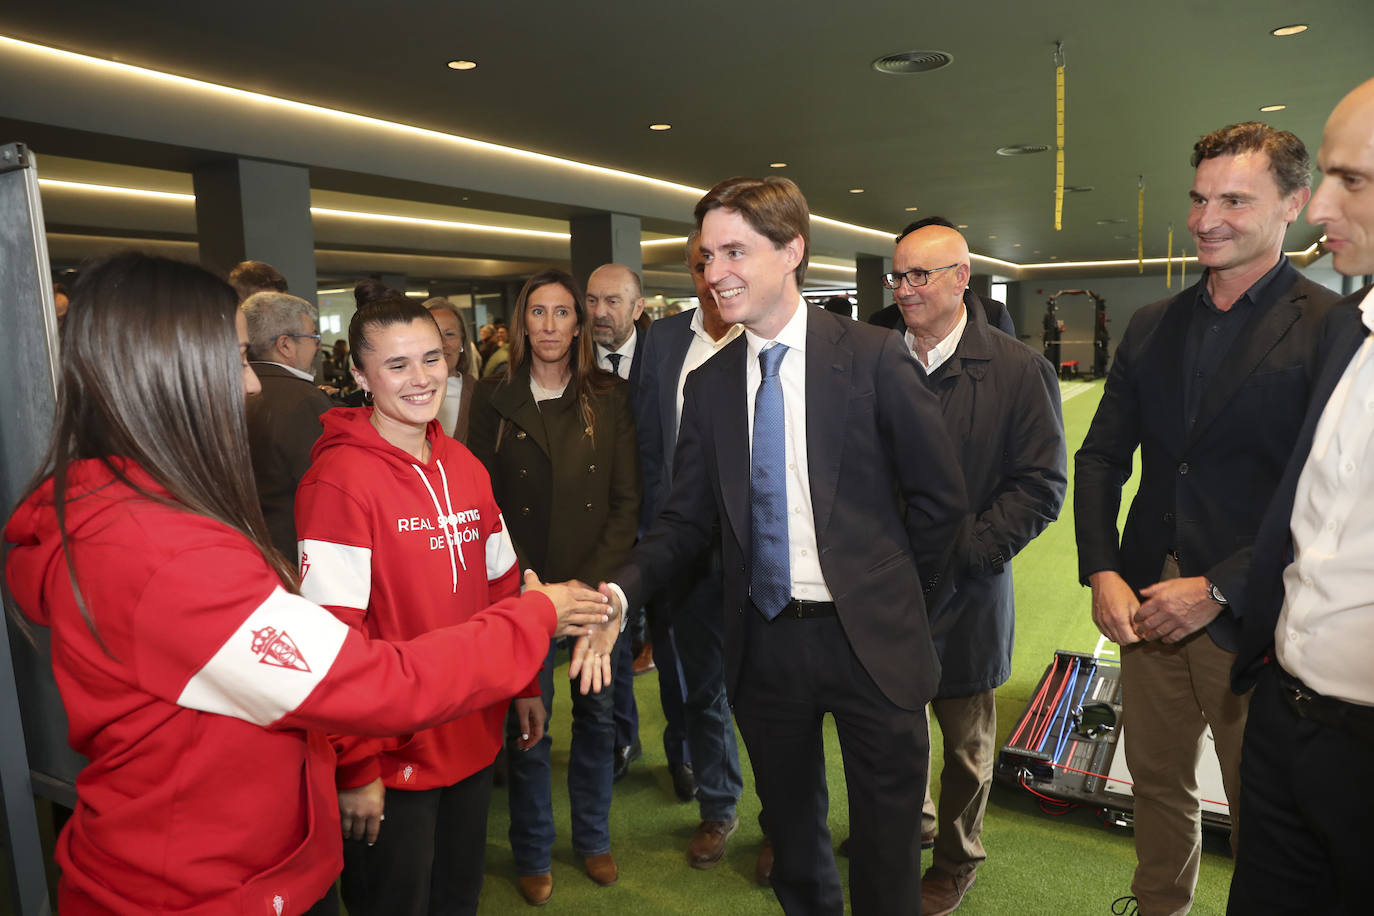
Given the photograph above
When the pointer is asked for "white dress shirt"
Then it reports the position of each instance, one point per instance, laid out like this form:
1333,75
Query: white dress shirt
942,350
298,373
807,581
1326,627
626,351
702,348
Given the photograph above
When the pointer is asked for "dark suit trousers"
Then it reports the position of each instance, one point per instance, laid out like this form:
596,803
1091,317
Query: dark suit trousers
1304,840
794,672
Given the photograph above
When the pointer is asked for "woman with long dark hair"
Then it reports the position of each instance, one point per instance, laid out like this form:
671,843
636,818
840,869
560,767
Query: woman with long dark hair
557,435
196,681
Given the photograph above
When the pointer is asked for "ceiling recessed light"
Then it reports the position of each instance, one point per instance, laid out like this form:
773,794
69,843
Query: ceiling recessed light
856,190
1016,244
1289,30
992,236
1272,107
660,127
1054,257
1036,251
462,65
962,226
1022,149
912,209
913,62
777,165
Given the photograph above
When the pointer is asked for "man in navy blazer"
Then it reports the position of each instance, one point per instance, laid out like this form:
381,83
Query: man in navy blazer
1308,609
686,618
615,308
873,502
1210,385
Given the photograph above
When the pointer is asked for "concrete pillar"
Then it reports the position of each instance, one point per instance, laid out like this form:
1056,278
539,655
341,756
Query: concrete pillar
868,278
604,238
260,211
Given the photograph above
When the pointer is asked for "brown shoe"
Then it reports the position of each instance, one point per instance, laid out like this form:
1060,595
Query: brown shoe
644,661
763,868
941,892
602,870
708,843
536,889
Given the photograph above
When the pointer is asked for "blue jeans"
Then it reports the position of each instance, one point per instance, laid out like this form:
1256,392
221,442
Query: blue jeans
589,779
696,630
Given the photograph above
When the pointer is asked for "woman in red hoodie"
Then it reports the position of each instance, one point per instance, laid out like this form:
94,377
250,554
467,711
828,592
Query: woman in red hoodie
196,682
401,535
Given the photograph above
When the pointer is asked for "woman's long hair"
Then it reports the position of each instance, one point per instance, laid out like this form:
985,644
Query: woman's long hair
588,380
150,372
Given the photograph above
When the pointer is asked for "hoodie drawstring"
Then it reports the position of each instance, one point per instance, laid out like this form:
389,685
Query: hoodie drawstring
448,523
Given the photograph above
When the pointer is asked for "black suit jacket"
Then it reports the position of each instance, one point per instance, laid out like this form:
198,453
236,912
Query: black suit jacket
1203,490
663,354
886,494
1262,599
283,424
996,312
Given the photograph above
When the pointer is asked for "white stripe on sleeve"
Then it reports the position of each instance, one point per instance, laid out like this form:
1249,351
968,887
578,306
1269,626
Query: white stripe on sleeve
271,663
500,552
335,574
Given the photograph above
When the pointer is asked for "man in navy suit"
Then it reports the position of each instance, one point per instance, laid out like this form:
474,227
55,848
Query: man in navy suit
1210,386
1308,609
615,307
686,617
814,448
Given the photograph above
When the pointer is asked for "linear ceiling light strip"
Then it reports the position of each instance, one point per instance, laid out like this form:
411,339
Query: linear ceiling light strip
1169,262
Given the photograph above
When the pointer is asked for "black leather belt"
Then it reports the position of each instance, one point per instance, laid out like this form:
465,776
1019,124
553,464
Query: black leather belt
797,609
1351,718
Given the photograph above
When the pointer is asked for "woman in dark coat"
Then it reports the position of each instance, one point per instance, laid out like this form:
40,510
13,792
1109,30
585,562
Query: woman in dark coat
557,436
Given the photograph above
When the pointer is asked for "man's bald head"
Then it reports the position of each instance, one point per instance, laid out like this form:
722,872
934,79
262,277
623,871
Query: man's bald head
931,310
1344,201
615,300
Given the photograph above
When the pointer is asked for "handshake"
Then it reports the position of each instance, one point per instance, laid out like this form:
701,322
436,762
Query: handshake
594,617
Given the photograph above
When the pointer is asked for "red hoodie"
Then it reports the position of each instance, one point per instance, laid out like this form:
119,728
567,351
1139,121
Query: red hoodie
396,548
209,790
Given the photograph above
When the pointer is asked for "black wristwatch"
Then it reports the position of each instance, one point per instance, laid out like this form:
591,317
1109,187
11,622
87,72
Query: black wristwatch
1215,594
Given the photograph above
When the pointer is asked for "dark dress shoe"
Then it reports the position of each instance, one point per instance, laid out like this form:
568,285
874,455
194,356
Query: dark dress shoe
684,781
708,843
536,889
624,756
601,869
763,868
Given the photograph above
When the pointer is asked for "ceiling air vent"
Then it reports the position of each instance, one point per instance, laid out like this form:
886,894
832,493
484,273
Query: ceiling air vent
1022,149
913,62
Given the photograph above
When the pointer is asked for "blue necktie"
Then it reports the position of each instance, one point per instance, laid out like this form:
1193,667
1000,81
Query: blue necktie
770,581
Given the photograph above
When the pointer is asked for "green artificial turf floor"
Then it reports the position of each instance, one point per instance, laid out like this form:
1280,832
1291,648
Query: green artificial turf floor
1038,864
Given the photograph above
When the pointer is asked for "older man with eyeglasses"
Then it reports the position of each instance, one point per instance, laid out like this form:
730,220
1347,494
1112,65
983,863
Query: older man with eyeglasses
284,419
1000,403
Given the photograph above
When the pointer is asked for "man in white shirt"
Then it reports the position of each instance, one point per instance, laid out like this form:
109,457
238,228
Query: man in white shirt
615,307
1000,401
796,442
1308,608
284,420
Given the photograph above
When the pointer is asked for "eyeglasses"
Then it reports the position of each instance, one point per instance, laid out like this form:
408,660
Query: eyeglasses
315,337
915,277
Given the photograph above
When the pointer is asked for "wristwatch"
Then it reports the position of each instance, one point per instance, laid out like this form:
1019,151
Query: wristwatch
1215,594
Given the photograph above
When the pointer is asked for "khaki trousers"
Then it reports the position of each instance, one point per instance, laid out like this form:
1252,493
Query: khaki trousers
969,727
1170,694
